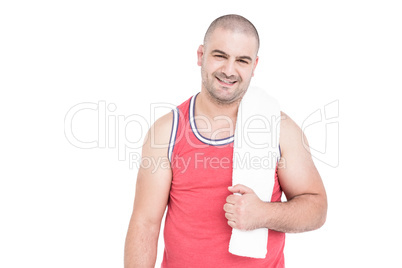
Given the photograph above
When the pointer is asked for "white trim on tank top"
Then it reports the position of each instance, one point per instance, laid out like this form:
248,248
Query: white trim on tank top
201,138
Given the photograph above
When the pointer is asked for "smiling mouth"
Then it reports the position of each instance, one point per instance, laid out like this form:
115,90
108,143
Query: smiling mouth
226,82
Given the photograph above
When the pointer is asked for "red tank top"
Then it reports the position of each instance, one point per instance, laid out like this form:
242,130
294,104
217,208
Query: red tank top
196,232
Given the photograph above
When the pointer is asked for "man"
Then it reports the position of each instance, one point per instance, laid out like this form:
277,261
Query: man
202,207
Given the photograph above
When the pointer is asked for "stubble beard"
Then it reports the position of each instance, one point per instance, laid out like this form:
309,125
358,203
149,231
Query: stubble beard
213,92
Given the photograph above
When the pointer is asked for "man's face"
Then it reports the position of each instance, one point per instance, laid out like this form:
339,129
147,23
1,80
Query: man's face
227,64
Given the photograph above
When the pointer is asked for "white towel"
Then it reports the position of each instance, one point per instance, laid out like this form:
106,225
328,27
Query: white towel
255,154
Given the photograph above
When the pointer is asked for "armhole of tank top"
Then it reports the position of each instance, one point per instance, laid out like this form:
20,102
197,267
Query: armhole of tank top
173,133
280,153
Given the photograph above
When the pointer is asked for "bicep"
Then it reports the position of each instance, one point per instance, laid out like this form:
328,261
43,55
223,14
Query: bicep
297,172
152,193
154,176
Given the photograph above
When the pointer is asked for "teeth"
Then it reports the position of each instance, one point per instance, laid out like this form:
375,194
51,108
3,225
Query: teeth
226,81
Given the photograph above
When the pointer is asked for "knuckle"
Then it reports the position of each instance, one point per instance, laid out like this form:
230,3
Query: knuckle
239,210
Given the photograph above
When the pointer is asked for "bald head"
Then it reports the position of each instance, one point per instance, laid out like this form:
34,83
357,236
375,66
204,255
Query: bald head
235,23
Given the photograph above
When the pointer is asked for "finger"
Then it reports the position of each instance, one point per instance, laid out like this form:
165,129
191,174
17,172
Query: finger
232,199
228,208
229,216
232,224
241,189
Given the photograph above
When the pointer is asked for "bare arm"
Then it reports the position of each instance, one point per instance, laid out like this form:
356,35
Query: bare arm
151,197
306,207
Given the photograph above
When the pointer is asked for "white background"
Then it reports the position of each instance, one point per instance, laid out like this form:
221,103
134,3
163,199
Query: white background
62,206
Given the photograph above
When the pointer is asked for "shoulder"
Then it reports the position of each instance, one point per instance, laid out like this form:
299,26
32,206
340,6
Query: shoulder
292,137
158,136
287,123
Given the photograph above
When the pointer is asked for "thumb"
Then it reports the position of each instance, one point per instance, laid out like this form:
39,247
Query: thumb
240,189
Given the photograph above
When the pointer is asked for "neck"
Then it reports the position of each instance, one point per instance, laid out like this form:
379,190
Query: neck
215,120
211,107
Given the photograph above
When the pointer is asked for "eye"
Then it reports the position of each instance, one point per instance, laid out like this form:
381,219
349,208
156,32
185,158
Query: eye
243,61
220,56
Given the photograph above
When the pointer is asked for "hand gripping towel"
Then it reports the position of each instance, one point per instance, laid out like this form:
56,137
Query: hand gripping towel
255,155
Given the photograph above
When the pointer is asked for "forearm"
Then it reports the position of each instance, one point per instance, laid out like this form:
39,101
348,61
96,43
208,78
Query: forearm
141,246
302,213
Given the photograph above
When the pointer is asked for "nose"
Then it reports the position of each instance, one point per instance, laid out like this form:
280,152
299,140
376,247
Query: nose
229,68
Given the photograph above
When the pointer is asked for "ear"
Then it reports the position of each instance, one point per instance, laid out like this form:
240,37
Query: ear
200,53
255,65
